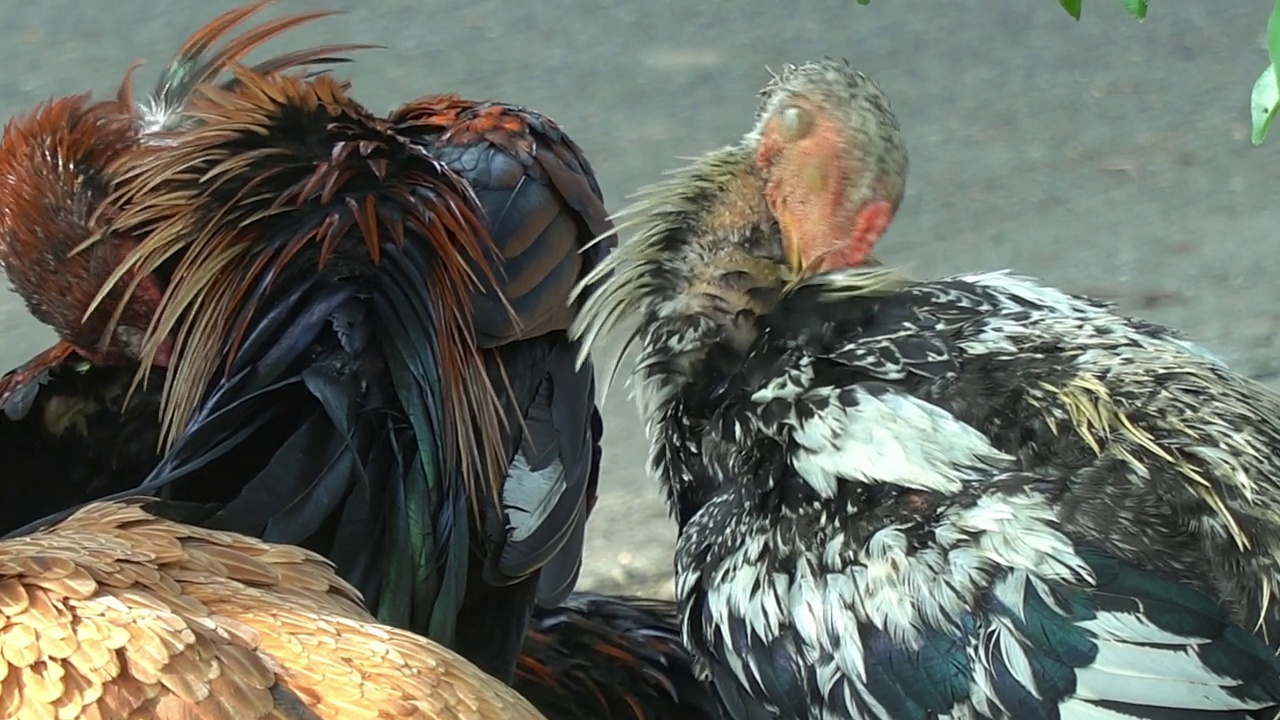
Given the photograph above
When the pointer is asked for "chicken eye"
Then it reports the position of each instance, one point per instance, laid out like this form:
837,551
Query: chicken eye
796,122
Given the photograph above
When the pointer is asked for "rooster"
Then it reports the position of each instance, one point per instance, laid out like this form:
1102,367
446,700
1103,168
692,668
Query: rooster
376,344
119,613
972,497
63,411
604,657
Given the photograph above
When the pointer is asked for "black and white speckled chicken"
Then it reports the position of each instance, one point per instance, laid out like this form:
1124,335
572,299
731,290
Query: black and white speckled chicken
976,497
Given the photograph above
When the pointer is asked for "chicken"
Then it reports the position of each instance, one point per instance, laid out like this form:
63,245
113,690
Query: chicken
116,613
378,351
54,178
63,411
598,656
973,497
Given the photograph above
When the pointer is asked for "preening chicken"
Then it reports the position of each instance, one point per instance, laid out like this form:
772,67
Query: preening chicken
974,497
63,411
55,176
604,657
115,613
365,318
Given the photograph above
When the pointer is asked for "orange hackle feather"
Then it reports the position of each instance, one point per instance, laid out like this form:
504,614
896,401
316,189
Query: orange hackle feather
192,71
205,200
53,178
460,119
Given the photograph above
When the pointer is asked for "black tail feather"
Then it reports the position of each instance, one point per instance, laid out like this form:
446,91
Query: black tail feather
612,657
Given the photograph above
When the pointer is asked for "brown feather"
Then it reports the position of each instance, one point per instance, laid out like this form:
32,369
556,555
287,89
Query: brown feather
115,613
52,180
191,71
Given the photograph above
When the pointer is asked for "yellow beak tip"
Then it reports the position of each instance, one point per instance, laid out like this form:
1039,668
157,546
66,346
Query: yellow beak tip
790,245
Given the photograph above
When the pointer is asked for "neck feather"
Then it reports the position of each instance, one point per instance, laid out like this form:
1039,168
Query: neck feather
696,274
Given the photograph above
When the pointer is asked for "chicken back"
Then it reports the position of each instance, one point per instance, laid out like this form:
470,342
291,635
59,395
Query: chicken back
117,613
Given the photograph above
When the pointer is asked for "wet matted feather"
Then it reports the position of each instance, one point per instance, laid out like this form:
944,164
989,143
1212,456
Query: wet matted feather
975,496
873,412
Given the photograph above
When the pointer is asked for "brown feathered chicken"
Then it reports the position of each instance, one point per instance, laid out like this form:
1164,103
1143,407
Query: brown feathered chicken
53,178
115,614
55,174
365,318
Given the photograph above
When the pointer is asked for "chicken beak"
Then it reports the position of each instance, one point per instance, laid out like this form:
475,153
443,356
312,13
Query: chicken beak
791,243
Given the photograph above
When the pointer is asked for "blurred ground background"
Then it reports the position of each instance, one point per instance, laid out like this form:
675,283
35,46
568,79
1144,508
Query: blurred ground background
1110,157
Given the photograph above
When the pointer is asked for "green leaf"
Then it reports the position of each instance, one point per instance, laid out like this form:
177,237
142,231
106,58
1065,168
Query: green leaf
864,2
1136,8
1273,34
1263,103
1073,7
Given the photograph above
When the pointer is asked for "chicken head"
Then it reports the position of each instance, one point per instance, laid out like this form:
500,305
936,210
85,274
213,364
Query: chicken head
834,162
53,183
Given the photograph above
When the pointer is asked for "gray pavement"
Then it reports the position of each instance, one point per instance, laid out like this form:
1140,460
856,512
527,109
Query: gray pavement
1109,157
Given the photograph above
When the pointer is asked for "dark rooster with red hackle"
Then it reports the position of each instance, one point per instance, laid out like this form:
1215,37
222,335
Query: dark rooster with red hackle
365,317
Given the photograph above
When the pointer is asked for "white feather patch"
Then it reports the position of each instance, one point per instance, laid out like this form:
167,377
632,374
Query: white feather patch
1017,532
1099,684
887,437
1168,675
1133,628
530,495
1076,709
1029,290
